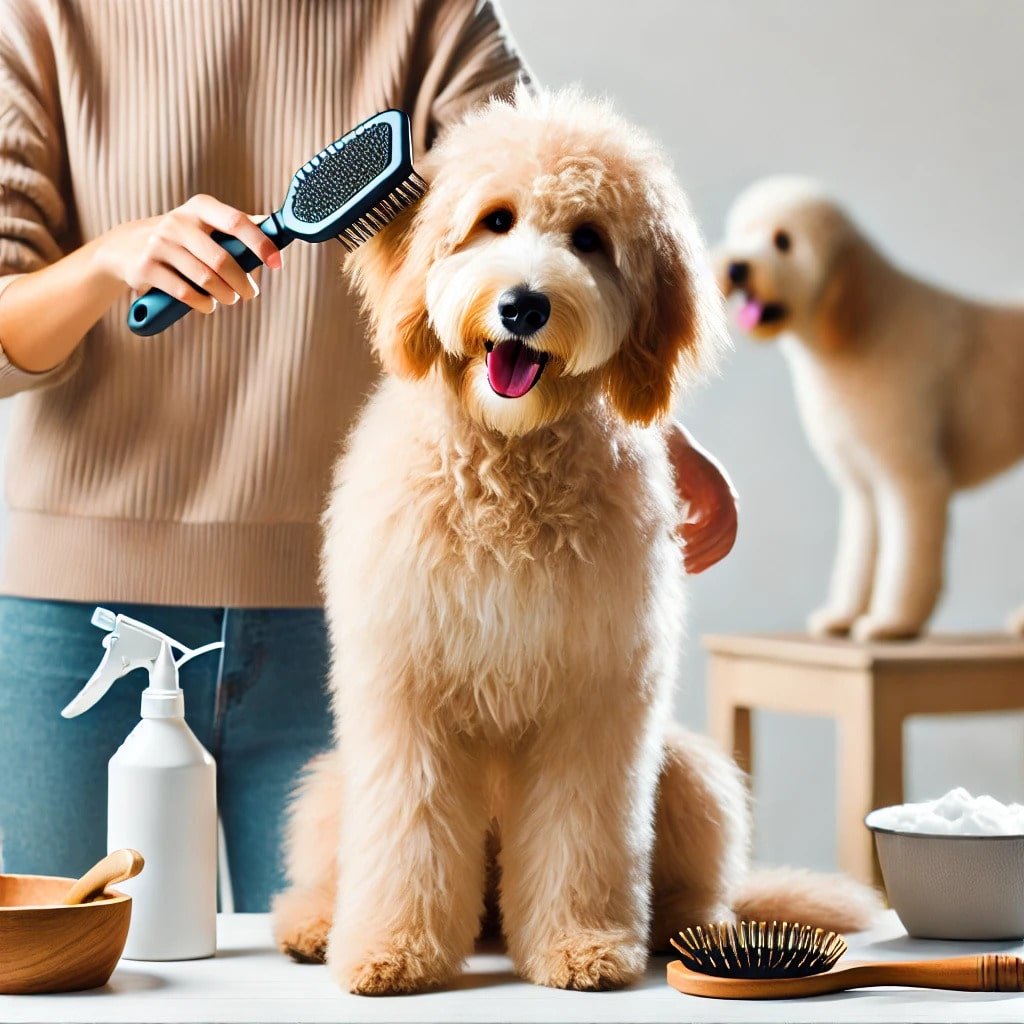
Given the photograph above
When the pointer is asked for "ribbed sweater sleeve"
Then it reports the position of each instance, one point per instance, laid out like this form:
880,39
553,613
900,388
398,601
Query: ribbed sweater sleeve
468,57
33,213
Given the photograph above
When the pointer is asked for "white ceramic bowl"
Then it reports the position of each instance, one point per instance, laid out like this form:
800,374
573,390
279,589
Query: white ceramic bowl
953,887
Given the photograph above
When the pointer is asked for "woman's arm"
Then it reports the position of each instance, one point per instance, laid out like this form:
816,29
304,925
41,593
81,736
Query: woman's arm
48,298
709,531
45,314
462,55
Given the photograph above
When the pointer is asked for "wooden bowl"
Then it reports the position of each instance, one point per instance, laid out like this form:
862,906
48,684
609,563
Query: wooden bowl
47,947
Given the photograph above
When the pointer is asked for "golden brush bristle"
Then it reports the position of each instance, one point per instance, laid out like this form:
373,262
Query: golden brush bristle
383,212
758,949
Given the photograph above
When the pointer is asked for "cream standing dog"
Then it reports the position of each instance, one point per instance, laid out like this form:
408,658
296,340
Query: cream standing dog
504,586
907,392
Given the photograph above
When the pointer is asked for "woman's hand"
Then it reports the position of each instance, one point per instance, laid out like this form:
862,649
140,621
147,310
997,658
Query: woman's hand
45,314
174,252
709,532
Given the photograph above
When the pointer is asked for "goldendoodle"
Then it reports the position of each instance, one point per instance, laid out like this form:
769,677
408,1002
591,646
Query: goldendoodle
907,392
504,583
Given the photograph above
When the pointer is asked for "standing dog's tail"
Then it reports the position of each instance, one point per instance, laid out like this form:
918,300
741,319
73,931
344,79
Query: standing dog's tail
834,902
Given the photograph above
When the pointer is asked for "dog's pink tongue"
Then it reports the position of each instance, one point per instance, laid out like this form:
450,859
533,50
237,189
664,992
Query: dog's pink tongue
513,368
748,316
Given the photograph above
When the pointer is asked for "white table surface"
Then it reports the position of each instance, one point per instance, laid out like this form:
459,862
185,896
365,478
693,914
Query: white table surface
249,981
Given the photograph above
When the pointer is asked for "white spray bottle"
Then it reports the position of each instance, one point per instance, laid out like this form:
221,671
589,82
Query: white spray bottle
161,798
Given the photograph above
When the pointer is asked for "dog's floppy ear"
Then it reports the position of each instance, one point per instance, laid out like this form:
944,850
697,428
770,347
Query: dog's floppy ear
679,326
390,273
846,300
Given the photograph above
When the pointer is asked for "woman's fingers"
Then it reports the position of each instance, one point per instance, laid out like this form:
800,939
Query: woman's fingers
233,222
218,260
163,277
198,272
709,534
174,252
710,528
700,553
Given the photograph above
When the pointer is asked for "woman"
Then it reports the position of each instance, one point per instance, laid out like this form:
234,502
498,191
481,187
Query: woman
180,479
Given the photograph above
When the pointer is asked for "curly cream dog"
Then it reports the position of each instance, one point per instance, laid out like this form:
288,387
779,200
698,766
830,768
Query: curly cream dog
907,393
504,585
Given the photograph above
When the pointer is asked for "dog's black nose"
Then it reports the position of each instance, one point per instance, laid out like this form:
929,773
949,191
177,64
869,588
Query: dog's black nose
738,272
523,312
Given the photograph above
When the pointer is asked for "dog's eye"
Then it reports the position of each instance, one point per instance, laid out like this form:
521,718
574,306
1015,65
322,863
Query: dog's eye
782,241
499,221
586,239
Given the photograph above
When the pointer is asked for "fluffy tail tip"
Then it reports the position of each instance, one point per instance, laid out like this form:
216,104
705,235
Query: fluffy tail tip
834,902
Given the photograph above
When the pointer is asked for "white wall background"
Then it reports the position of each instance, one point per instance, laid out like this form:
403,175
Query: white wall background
910,111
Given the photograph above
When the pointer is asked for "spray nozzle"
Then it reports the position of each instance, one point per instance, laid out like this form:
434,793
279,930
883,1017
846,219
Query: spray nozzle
104,618
129,645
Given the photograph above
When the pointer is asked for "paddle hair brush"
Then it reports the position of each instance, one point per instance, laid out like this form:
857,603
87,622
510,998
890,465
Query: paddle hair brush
757,960
349,191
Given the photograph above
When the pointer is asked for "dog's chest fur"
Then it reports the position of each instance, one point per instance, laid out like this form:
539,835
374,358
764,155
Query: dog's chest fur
499,581
873,408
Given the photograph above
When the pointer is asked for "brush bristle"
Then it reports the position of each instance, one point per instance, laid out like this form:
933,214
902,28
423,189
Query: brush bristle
758,949
383,212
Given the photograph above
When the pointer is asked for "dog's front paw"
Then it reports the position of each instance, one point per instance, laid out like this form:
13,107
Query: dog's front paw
588,960
302,922
875,627
830,622
396,967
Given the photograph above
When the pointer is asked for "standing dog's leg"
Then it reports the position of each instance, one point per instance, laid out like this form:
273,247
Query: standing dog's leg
912,513
302,913
411,856
854,567
576,851
702,835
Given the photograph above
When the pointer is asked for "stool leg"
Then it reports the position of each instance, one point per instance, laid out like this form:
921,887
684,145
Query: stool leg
729,723
742,742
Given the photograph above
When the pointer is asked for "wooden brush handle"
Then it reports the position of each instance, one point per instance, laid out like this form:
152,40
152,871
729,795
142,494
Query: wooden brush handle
989,973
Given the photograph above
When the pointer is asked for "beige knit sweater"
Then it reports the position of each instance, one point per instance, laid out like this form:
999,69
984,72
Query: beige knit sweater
191,468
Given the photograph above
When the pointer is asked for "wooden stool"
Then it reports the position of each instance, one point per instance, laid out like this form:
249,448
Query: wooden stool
869,689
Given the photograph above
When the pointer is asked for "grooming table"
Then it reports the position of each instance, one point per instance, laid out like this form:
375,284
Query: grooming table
249,981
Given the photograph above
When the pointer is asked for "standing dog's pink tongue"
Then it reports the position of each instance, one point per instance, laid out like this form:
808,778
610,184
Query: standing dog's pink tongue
748,316
513,368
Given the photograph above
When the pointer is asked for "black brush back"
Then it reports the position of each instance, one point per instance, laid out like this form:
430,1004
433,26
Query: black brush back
758,949
340,172
357,183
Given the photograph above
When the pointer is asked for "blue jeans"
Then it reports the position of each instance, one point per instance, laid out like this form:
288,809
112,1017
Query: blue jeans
262,713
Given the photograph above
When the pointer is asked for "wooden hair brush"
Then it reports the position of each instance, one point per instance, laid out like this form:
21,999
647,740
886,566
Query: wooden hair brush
758,960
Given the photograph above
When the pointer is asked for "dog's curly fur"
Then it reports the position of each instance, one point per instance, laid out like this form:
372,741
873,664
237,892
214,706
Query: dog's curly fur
504,588
907,392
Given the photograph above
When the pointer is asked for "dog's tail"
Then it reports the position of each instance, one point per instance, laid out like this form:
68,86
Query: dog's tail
834,902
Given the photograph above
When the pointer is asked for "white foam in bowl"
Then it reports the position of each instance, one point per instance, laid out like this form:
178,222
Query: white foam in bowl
955,814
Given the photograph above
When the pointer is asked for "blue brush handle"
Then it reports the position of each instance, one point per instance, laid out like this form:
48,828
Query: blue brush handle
156,310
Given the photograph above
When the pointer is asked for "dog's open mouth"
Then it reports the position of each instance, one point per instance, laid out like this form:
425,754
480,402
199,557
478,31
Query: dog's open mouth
753,313
513,368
